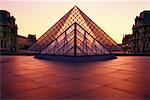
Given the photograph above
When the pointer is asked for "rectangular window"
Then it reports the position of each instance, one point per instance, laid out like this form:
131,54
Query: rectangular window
1,43
4,34
5,44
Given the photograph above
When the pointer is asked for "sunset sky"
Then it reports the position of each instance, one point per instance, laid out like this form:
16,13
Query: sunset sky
115,17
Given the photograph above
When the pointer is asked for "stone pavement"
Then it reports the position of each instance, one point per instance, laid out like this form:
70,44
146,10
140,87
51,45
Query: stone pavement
125,78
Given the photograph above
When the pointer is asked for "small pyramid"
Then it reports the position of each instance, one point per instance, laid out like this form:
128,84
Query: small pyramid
75,34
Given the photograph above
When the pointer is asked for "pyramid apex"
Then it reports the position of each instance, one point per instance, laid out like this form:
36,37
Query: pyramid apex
75,6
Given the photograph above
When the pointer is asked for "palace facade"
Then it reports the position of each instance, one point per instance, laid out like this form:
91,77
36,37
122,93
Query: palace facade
8,31
141,33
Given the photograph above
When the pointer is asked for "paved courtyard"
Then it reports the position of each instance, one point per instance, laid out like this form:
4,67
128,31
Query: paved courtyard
125,78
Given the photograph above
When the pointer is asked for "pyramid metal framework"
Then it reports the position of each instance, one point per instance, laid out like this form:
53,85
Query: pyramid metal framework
75,41
75,34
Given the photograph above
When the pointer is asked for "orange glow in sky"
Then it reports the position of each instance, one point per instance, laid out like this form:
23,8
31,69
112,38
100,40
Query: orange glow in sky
113,16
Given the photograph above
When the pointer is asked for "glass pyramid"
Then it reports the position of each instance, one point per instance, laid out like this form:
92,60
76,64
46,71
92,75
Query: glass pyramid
75,34
75,41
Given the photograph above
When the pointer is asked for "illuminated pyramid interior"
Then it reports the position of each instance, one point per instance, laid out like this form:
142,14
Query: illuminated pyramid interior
75,34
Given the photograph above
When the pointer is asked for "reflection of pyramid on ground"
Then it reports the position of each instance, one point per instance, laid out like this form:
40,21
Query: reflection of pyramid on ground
67,37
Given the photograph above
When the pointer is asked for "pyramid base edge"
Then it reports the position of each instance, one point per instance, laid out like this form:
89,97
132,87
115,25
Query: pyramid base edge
63,58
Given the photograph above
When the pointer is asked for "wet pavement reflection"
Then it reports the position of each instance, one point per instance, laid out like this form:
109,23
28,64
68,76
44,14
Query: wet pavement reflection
26,77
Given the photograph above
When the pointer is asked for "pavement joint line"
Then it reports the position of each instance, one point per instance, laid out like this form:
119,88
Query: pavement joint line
28,90
116,71
126,91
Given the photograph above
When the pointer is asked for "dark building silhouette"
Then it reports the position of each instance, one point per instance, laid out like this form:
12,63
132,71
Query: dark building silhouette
8,31
141,33
9,40
23,43
31,38
127,43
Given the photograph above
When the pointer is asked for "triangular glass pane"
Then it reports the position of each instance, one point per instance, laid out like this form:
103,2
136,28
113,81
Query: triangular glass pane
89,44
62,44
70,52
80,52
